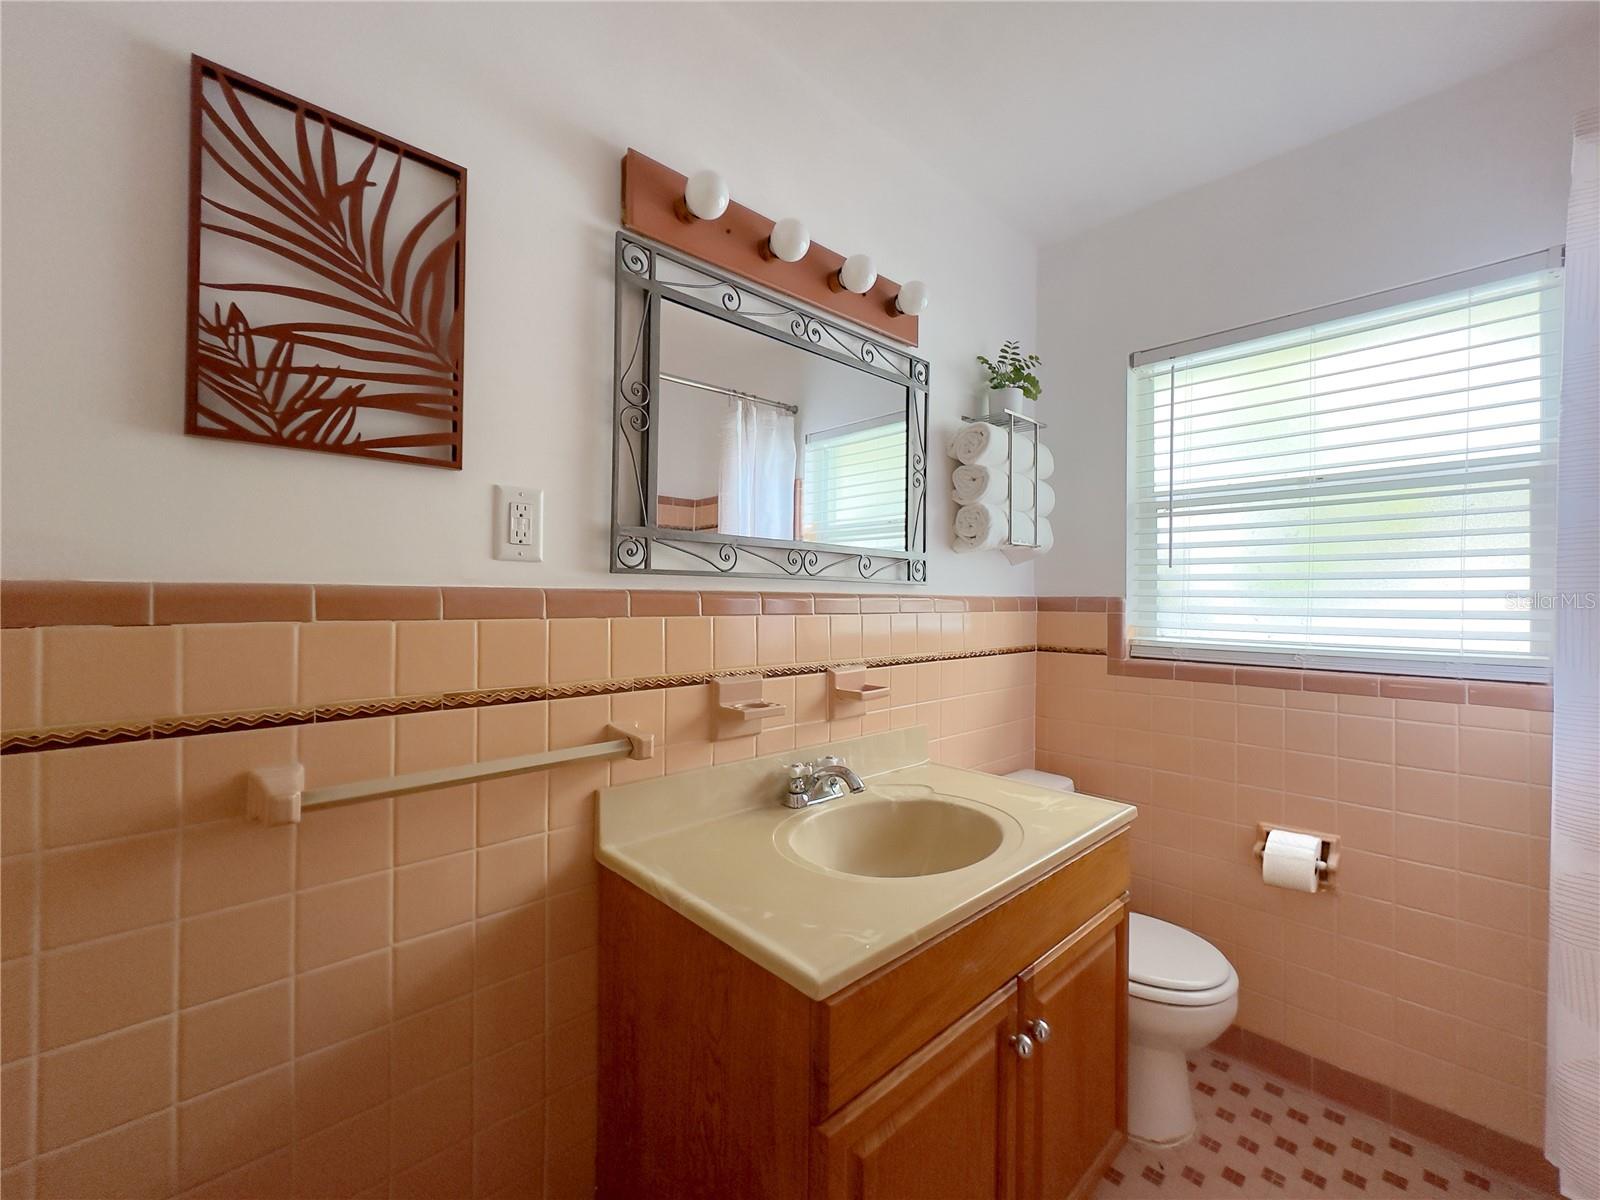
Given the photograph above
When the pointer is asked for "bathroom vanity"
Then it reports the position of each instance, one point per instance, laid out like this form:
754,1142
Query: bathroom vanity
917,991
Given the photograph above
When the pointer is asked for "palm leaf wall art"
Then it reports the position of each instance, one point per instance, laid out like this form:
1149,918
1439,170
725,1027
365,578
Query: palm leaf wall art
326,278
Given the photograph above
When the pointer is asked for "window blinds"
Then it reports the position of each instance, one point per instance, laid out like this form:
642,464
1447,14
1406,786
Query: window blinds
1366,490
854,488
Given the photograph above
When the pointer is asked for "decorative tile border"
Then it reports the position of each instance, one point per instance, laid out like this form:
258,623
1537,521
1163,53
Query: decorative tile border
65,738
31,603
1535,696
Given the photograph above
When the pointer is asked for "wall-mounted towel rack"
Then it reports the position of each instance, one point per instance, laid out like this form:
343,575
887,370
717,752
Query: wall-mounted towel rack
1017,425
277,795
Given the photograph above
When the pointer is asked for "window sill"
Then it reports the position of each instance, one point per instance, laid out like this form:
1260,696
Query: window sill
1537,697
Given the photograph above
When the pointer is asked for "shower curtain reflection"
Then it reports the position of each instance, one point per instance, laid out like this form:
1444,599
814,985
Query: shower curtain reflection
755,494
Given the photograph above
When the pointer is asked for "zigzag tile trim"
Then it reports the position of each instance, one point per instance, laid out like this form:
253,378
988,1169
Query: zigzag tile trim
64,738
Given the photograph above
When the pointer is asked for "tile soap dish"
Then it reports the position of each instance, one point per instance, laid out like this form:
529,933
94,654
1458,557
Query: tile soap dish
851,683
737,700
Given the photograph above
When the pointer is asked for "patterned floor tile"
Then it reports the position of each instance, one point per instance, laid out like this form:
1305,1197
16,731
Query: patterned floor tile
1263,1139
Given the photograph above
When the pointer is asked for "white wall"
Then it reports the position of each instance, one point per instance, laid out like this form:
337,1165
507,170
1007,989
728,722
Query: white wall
539,102
1467,177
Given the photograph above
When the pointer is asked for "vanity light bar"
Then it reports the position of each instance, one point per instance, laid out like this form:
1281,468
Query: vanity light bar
697,214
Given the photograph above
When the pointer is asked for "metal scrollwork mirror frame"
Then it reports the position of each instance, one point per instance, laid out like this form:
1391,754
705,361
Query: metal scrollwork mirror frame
646,274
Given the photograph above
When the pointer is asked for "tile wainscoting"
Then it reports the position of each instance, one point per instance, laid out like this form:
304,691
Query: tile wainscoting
1422,975
395,997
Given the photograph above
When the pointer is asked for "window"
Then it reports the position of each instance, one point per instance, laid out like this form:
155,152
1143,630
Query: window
1369,487
854,490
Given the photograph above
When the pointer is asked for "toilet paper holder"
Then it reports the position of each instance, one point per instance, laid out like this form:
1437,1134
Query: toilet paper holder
1329,858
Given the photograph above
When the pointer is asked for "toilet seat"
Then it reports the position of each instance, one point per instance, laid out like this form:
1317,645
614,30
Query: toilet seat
1170,965
1217,995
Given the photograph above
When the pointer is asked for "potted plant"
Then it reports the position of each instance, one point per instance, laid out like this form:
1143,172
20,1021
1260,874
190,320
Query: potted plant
1013,381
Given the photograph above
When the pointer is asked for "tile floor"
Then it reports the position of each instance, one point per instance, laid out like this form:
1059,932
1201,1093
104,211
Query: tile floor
1260,1137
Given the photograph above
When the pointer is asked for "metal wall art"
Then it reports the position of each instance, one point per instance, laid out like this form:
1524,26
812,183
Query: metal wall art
647,274
326,278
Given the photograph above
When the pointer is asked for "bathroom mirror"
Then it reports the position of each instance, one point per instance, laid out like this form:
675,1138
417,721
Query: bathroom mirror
753,438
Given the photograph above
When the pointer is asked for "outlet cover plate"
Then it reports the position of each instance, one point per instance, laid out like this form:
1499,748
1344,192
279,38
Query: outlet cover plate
518,523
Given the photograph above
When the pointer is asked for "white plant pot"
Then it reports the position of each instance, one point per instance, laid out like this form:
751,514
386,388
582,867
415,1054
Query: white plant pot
1001,399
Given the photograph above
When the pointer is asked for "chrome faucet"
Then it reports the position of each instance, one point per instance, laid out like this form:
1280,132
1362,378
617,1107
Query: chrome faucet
816,783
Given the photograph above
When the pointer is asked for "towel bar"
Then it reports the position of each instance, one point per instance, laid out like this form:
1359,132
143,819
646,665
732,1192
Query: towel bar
277,795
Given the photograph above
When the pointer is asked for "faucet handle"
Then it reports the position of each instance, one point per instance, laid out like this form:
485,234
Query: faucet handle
798,770
831,760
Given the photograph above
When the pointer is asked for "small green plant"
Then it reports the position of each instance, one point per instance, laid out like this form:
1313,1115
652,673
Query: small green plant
1013,368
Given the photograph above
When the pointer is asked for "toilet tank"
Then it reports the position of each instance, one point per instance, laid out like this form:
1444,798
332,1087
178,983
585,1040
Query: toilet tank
1060,783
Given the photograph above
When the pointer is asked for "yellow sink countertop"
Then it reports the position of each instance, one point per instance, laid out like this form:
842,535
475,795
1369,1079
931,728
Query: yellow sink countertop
716,846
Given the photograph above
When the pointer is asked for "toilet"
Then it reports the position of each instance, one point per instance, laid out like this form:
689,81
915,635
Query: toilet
1182,994
1060,783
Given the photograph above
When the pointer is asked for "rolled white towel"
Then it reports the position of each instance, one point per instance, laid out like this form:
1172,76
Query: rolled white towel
1023,531
979,485
995,541
979,521
980,445
1022,490
1047,462
1017,555
991,530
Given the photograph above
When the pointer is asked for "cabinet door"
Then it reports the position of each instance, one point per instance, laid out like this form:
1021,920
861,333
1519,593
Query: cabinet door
941,1124
1074,1090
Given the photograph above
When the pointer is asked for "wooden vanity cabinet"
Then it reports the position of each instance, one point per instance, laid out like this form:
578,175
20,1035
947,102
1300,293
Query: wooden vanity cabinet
1074,1091
941,1125
717,1079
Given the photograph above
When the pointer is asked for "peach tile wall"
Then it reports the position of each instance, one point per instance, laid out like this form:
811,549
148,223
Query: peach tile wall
1425,970
395,997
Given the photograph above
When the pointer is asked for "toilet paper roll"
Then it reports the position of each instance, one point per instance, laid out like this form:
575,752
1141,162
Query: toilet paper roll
1289,860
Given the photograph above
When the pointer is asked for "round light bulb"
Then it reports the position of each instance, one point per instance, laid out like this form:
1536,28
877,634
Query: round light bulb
913,297
858,274
789,240
706,195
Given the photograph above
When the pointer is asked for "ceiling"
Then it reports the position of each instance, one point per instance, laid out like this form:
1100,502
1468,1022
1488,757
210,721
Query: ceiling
1067,115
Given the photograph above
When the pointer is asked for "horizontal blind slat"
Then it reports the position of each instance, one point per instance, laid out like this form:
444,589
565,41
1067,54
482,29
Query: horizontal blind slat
1376,489
1546,283
1163,380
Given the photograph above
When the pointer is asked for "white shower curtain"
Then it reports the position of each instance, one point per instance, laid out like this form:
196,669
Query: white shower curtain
1572,1087
756,493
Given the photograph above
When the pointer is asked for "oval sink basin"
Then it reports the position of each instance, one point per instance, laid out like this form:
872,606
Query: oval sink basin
895,838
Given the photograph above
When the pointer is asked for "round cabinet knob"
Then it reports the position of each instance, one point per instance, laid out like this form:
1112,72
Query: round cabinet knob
1039,1028
1023,1044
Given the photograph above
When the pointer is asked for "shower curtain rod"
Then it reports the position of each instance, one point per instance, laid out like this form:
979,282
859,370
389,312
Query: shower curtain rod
722,391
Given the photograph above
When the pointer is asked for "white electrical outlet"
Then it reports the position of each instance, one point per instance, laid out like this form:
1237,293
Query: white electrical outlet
518,523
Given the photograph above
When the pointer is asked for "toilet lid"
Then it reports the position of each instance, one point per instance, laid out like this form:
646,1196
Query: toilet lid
1165,956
